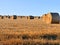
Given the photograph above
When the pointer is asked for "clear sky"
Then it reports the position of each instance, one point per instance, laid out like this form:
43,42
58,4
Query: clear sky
28,7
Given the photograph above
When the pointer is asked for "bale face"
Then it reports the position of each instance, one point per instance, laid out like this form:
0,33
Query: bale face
46,18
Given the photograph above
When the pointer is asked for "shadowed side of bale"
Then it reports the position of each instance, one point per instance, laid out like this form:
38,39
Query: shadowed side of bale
0,16
55,18
14,17
51,18
30,17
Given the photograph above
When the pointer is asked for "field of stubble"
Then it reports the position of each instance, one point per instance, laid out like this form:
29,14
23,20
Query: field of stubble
28,32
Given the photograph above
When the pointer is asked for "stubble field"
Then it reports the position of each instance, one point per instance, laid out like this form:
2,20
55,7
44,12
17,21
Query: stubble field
28,32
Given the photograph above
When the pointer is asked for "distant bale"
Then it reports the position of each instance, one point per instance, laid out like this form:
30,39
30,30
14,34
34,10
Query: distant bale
2,17
39,17
8,16
52,18
31,17
5,17
14,17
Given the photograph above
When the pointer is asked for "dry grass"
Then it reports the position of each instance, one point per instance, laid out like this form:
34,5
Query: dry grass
27,32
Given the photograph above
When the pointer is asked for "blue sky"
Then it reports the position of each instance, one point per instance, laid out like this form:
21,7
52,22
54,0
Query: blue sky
28,7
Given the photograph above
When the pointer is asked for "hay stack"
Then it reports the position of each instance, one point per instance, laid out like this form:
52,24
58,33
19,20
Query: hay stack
14,17
30,17
51,18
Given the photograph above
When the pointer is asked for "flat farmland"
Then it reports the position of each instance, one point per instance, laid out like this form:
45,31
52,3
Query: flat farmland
28,32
